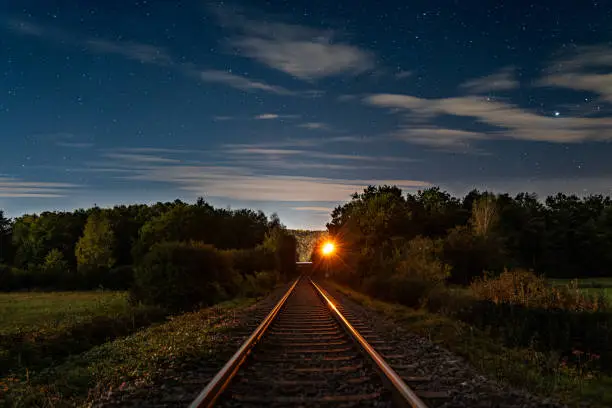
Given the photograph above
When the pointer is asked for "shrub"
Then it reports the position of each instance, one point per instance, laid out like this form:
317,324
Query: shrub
520,287
470,255
119,278
249,261
259,283
8,280
412,273
181,276
284,247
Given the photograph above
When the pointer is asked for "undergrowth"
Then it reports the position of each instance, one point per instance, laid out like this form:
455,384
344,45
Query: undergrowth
574,378
126,363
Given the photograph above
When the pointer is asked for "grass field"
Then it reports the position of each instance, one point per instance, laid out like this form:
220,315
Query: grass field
32,311
132,361
592,286
42,329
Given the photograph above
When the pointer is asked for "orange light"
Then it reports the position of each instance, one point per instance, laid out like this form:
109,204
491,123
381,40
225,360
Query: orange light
328,248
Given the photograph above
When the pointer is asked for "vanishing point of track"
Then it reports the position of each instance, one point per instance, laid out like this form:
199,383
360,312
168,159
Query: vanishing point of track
306,353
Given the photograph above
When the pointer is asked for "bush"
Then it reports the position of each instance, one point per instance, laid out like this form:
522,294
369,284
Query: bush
119,278
259,283
520,287
470,255
8,278
406,290
249,261
181,276
284,247
412,273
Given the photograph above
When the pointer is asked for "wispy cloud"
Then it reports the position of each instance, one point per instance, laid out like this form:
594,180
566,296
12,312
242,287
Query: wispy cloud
242,184
144,53
438,137
403,74
17,188
300,51
140,158
508,121
584,68
310,142
315,126
154,150
254,151
503,80
269,116
240,82
76,145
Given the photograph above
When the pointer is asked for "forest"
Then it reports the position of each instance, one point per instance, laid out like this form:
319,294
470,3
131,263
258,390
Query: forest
486,260
562,236
175,255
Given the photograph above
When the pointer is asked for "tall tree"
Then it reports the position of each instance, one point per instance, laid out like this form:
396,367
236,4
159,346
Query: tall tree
95,249
484,215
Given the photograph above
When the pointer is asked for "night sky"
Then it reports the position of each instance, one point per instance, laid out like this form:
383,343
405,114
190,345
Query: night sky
292,106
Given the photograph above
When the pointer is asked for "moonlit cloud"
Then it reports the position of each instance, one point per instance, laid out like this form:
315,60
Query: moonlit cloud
144,53
509,120
403,74
75,145
18,188
240,82
140,158
241,184
269,116
315,126
255,151
582,69
503,80
303,52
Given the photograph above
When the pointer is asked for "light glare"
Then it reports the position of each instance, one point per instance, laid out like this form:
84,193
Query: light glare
328,248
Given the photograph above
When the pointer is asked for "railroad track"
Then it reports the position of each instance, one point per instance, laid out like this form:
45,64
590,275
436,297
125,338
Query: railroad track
307,353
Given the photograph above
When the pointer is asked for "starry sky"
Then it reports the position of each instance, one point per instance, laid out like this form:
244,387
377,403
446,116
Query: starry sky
292,106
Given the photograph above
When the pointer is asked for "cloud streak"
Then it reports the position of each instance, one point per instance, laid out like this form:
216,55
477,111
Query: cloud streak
575,70
240,82
144,53
17,188
509,121
503,80
242,184
270,116
302,52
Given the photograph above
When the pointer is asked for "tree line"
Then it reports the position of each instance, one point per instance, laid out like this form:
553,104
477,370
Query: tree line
87,249
563,236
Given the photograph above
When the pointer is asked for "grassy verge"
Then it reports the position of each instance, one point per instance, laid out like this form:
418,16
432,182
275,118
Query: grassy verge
592,286
42,329
28,311
138,359
525,368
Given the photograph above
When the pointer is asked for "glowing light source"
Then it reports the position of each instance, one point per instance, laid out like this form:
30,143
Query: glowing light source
328,248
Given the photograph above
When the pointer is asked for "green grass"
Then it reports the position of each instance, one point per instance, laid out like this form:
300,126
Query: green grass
138,359
23,312
540,373
591,286
42,329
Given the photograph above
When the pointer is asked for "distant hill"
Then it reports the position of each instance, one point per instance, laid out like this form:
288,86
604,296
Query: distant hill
305,242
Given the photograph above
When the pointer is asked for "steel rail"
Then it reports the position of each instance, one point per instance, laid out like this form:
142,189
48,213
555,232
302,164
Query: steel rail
215,387
404,396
